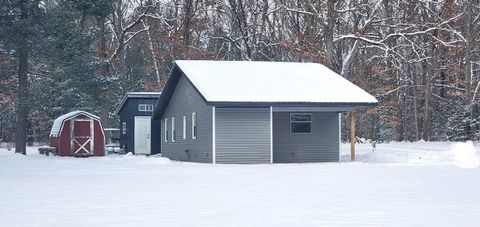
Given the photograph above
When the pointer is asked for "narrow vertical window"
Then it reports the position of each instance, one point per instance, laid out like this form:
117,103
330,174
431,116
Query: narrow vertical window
184,127
124,128
173,129
165,129
194,125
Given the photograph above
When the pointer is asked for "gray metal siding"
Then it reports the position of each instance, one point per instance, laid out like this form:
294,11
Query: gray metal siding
322,145
242,135
184,101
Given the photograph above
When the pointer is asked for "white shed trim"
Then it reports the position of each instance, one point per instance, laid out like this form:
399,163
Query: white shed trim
214,148
339,135
271,134
58,123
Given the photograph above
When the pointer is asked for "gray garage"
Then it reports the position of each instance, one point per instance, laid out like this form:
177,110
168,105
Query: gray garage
254,112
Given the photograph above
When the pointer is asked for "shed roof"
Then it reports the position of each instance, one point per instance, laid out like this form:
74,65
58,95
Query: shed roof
57,124
153,95
270,82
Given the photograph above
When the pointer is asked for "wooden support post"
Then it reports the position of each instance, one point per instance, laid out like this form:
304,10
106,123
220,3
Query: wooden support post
352,135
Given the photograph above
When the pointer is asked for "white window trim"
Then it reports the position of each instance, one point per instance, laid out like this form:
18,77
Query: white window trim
165,130
311,123
124,128
184,127
194,125
173,129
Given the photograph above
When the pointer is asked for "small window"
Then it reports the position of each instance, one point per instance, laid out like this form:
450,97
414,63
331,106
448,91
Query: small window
194,125
173,129
145,107
184,127
300,123
165,128
124,128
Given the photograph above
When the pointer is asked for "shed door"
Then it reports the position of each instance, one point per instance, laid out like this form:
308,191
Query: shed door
142,135
81,137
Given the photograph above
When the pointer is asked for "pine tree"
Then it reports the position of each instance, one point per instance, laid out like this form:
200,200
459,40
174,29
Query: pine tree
20,20
63,68
461,126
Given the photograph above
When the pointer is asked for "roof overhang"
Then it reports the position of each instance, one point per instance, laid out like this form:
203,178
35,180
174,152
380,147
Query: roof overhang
290,104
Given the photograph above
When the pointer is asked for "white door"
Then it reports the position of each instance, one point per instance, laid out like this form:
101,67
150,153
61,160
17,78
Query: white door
142,135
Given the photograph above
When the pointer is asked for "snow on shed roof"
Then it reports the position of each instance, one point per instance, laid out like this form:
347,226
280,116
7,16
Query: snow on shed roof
136,95
57,124
250,81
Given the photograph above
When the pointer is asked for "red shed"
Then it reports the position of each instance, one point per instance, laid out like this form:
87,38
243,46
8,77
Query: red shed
78,133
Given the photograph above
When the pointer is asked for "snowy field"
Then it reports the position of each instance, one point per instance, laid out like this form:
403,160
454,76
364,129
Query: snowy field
399,184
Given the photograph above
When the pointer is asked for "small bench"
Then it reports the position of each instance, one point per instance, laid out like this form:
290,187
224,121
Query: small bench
48,150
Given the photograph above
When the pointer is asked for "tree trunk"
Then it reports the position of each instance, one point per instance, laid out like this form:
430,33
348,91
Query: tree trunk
347,61
240,16
468,77
400,111
188,5
401,121
466,60
428,93
104,71
414,93
102,45
21,110
374,126
329,33
415,114
152,52
105,116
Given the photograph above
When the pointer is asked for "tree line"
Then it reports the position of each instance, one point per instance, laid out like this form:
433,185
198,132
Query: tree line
419,58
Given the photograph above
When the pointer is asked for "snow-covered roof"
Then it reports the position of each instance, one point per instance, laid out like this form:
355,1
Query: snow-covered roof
136,95
57,124
250,81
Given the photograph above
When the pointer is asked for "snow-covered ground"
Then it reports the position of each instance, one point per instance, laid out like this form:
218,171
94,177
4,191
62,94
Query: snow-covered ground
399,184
